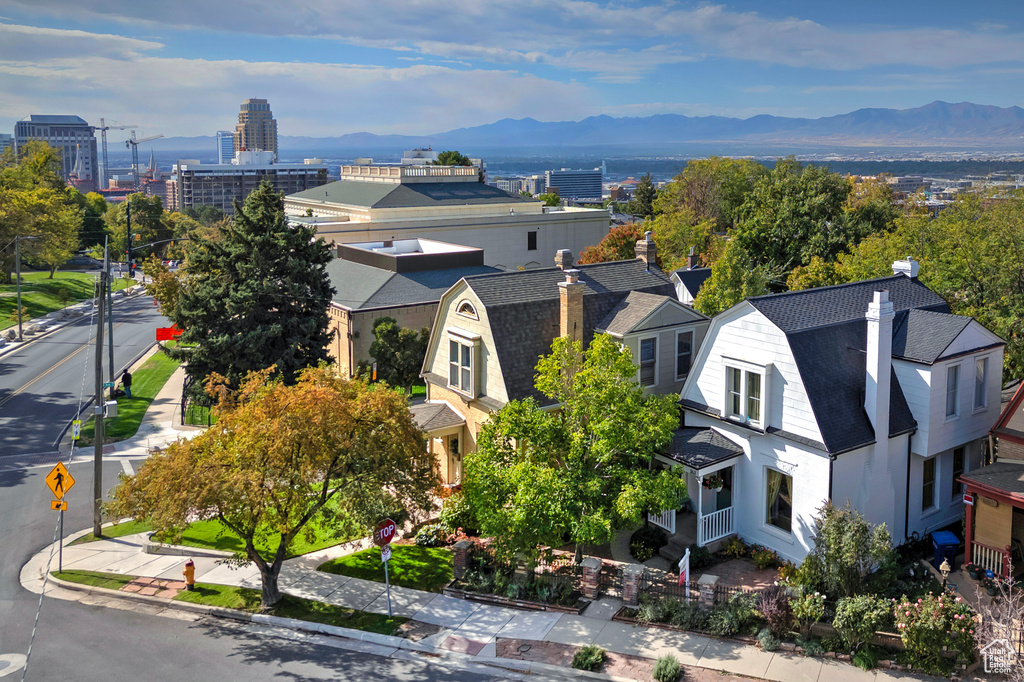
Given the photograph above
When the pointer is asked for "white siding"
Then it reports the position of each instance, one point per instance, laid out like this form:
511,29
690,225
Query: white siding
874,485
945,433
916,382
973,336
948,509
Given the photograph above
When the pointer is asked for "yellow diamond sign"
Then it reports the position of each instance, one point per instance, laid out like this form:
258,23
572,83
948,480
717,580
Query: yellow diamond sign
59,480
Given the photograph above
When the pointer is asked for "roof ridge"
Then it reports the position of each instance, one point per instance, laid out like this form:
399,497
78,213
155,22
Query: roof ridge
830,287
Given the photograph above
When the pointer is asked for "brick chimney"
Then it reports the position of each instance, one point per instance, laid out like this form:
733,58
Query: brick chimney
907,266
693,260
570,306
879,363
646,251
563,259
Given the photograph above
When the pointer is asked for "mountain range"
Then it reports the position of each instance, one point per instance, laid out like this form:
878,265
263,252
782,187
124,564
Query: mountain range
937,124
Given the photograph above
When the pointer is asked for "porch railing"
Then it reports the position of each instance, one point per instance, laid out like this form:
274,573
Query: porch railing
666,520
715,526
991,558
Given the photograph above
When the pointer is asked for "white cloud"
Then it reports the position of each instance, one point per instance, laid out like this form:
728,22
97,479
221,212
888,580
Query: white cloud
28,43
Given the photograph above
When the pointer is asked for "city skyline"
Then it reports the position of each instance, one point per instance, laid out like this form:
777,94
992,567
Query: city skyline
422,68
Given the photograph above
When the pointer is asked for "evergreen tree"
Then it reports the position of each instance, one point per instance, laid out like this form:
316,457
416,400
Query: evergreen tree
643,197
254,297
399,352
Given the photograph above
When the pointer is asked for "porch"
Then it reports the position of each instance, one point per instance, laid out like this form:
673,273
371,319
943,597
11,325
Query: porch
994,532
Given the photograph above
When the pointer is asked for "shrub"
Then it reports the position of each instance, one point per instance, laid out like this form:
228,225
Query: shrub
847,548
764,557
590,657
808,609
858,618
734,548
934,623
700,558
733,617
432,535
811,647
654,610
456,513
866,658
690,617
768,641
646,541
773,603
834,643
667,669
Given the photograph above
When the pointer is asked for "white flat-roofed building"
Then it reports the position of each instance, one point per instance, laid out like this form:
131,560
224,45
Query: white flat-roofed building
445,203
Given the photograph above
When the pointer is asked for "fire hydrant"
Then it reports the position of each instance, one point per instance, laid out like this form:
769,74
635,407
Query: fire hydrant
190,575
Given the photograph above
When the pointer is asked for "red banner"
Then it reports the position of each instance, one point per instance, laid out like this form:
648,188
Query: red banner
167,333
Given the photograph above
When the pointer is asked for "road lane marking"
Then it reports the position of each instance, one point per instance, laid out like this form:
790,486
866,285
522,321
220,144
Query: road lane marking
127,466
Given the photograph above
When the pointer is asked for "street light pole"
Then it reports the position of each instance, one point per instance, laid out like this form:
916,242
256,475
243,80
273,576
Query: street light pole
110,311
17,271
97,471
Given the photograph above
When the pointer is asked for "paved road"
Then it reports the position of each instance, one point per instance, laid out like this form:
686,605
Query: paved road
40,384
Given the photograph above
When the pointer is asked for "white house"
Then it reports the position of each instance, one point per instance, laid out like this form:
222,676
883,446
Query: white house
788,392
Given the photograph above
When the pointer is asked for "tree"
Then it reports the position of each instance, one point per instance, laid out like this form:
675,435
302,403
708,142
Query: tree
399,352
847,549
733,278
274,459
618,244
58,231
147,221
207,215
582,472
712,189
817,273
254,297
452,158
165,286
678,231
550,199
643,197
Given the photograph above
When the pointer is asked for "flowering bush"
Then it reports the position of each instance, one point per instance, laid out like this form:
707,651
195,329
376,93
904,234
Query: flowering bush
934,623
858,618
764,557
808,609
734,548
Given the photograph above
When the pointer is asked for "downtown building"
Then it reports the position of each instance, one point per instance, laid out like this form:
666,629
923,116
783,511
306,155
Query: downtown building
221,184
225,146
576,185
72,136
257,128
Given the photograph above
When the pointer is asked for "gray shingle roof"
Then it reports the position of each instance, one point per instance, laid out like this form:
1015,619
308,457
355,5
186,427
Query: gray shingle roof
700,448
362,286
923,335
522,308
692,279
435,416
630,312
797,310
1006,476
392,195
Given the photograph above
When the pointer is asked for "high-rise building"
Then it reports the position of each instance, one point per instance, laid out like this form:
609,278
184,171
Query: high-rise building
225,146
5,142
71,135
576,184
257,129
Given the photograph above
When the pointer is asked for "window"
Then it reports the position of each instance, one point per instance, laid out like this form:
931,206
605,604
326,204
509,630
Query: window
460,366
980,378
466,309
744,394
531,241
958,470
684,353
928,484
648,361
952,391
779,498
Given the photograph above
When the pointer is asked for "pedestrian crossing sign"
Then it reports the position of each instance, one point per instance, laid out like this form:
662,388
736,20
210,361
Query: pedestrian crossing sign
59,480
76,429
59,505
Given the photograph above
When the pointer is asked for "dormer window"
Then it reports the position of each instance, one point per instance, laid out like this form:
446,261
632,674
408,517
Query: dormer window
466,309
745,392
462,359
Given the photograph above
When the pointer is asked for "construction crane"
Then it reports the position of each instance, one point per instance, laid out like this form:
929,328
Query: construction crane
133,144
103,134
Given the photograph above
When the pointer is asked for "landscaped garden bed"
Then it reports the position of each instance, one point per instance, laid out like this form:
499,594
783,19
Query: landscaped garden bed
453,589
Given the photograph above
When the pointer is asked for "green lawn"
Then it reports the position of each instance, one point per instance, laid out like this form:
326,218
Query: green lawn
421,568
146,383
111,581
247,599
116,531
41,295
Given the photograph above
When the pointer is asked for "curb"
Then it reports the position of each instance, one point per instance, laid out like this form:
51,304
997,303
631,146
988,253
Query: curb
150,547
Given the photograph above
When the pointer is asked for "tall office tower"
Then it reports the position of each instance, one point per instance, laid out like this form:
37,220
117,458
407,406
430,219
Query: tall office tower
256,129
75,139
225,146
576,184
5,142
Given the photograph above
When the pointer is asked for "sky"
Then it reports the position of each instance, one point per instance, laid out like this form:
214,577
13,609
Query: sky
331,67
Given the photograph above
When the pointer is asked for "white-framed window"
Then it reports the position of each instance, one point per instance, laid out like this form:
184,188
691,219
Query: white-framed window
649,361
928,484
684,354
952,391
778,500
466,309
745,392
958,471
460,365
980,379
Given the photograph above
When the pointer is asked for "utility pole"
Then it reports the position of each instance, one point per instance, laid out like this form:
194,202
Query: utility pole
97,469
128,250
17,271
110,310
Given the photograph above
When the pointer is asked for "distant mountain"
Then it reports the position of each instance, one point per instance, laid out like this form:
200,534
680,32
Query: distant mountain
935,124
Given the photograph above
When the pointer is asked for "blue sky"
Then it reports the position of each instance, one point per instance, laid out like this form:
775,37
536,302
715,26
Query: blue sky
332,67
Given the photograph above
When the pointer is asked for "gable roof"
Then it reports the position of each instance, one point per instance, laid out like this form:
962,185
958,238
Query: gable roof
923,335
523,311
435,416
1010,424
361,286
693,278
630,312
394,195
701,448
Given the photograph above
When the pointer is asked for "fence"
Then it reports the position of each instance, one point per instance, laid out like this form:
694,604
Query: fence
667,588
196,410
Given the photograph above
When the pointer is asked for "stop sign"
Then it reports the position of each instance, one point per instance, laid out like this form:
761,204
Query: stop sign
385,532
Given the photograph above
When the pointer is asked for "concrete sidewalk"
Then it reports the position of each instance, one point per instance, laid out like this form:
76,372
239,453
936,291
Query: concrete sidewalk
466,627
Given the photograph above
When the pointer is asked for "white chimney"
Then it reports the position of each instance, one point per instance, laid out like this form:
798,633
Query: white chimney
907,266
879,365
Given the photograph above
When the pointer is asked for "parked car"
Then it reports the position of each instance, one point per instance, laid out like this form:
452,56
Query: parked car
82,263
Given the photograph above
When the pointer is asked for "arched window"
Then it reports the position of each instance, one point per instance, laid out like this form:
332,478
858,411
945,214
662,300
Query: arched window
466,308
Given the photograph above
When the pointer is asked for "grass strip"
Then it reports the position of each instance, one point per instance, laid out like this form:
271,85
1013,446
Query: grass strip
146,384
421,568
111,581
247,599
118,530
41,295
